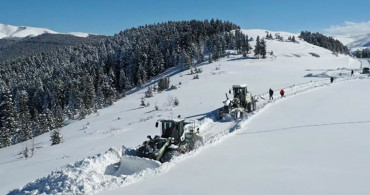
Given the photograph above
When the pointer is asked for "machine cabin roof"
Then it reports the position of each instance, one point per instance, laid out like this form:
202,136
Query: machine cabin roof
240,86
176,120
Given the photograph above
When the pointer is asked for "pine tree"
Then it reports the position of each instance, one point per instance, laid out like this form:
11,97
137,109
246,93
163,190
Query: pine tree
24,117
263,48
149,92
59,118
293,39
43,123
56,137
35,125
8,120
89,92
107,91
257,48
50,118
163,84
124,82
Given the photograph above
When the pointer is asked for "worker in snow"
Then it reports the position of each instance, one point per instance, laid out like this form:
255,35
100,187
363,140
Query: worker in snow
331,79
282,92
351,72
271,92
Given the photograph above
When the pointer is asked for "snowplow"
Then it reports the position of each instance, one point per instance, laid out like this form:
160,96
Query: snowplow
242,101
177,137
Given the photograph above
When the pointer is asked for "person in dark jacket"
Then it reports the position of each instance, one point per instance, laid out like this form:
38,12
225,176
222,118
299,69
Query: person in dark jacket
331,79
282,92
271,92
352,72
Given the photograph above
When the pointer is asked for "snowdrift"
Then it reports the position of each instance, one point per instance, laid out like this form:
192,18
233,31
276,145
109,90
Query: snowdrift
91,174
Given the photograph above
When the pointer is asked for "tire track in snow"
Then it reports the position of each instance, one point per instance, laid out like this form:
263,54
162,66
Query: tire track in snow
290,91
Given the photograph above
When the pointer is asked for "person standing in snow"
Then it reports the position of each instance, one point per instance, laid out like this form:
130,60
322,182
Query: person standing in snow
331,79
282,92
271,92
351,72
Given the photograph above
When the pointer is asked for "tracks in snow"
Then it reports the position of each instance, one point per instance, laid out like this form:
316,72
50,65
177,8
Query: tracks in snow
97,173
217,130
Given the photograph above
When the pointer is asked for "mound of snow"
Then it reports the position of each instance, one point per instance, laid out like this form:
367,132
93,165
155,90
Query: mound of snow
89,175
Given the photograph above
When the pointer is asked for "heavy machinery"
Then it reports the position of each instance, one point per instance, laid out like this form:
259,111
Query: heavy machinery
177,137
243,101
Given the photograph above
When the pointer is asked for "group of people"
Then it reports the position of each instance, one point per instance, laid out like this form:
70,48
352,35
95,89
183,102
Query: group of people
271,93
282,92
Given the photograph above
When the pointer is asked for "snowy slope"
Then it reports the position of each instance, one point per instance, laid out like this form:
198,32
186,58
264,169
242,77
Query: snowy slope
9,31
355,41
318,151
292,67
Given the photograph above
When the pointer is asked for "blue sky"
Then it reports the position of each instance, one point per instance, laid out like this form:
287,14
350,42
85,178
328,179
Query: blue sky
110,16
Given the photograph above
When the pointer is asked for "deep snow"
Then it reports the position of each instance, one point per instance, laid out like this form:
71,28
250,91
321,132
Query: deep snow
126,123
291,147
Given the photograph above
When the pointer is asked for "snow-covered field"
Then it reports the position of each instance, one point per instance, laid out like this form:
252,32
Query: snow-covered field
272,147
290,147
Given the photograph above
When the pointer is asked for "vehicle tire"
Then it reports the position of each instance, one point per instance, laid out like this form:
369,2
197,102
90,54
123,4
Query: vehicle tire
140,152
236,115
249,107
219,114
168,155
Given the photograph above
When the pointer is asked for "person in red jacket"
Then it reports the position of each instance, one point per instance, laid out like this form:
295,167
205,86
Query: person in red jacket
282,92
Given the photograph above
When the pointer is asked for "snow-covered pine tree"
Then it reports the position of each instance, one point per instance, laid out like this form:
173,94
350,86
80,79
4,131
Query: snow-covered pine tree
89,92
43,123
25,131
293,39
257,47
149,92
263,48
124,83
59,117
163,83
51,119
56,137
8,120
107,91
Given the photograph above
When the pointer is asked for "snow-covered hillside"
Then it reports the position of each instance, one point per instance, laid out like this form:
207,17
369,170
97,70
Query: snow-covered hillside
306,144
95,155
355,41
9,31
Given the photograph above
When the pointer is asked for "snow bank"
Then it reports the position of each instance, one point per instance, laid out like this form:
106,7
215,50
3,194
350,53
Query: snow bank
90,175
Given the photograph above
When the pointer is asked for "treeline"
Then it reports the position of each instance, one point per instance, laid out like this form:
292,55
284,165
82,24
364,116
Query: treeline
14,48
365,53
39,92
324,41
